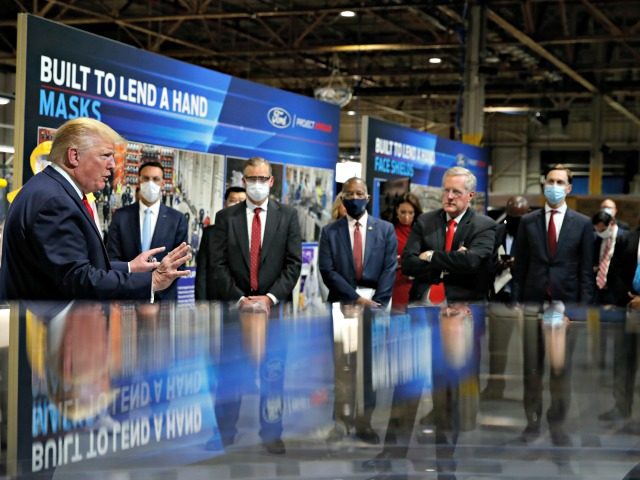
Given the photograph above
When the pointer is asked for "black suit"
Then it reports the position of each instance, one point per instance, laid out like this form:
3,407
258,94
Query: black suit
467,273
123,240
604,296
204,288
280,257
568,276
623,267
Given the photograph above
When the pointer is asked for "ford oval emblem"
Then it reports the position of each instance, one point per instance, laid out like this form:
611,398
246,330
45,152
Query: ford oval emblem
279,117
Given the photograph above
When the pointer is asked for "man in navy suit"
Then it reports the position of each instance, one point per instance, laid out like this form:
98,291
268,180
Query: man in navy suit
147,223
256,252
554,261
52,248
606,242
449,250
367,279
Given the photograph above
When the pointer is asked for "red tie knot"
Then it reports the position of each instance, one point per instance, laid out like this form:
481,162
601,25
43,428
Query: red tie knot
452,223
257,210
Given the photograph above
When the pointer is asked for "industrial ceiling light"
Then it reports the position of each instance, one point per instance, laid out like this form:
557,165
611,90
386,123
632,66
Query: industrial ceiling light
347,13
435,60
5,98
337,91
505,109
351,113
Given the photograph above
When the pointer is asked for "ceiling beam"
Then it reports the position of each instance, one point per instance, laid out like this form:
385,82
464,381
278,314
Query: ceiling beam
559,64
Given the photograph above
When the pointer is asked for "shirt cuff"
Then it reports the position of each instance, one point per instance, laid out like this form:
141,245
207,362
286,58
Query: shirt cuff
273,298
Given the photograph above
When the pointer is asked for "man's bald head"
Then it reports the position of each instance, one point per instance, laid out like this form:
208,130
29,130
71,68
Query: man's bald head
517,206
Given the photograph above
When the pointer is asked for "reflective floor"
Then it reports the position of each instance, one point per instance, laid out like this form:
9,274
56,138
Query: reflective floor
332,392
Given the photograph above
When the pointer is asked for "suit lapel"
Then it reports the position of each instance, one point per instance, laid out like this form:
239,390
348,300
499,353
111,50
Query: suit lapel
134,219
238,222
270,229
542,228
370,241
156,238
462,230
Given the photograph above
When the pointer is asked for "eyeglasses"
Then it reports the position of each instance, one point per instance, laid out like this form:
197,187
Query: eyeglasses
453,192
257,179
352,195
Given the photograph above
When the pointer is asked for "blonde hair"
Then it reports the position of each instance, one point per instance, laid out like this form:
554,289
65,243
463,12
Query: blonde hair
256,161
80,133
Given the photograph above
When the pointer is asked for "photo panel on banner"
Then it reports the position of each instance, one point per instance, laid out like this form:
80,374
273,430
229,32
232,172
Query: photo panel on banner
398,160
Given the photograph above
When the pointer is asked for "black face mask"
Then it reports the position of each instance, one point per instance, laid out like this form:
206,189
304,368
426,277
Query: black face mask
355,206
512,225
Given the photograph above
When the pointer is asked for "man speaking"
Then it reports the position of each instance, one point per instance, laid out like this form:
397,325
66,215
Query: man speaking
52,248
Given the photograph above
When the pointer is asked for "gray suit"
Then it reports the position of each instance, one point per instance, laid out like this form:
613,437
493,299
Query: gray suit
568,276
280,258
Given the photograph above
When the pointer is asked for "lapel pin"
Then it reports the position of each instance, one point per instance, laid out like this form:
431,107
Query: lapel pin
369,228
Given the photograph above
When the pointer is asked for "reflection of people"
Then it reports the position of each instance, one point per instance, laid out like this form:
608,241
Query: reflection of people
349,413
357,257
449,250
552,336
52,247
554,259
252,346
256,254
147,223
406,212
204,289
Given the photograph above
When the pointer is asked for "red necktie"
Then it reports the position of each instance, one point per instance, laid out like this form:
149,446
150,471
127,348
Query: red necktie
603,267
436,292
357,251
552,238
87,205
256,234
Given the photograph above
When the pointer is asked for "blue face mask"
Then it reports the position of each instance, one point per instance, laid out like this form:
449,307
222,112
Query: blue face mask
554,194
355,206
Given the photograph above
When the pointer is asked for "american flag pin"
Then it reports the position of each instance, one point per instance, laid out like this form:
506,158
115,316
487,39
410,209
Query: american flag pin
369,228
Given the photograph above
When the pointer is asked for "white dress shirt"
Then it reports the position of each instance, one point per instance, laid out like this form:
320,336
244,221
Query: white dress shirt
363,230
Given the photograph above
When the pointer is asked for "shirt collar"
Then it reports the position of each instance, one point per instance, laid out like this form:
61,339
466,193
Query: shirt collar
562,209
155,208
362,220
252,206
459,217
68,178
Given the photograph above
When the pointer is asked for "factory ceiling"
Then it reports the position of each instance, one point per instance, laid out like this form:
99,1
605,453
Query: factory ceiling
541,54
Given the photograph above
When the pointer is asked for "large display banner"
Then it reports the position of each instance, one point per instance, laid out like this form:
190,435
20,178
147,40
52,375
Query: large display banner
398,159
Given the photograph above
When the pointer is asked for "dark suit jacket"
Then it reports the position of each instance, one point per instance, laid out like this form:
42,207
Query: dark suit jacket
623,267
379,264
53,250
569,275
204,288
123,240
466,274
280,257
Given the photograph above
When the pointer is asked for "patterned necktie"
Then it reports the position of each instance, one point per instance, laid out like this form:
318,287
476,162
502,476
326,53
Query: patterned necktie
603,268
256,234
436,292
146,230
87,205
552,238
357,251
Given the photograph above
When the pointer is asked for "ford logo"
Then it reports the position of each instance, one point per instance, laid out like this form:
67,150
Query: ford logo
279,117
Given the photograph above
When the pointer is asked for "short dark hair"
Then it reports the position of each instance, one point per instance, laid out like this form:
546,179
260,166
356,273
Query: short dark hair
560,166
231,190
602,217
151,164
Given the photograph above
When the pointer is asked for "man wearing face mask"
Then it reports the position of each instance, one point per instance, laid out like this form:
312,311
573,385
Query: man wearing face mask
609,206
357,257
607,235
147,223
204,288
554,248
256,251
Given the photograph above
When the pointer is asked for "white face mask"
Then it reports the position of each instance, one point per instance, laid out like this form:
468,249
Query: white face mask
605,233
150,191
608,210
258,191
